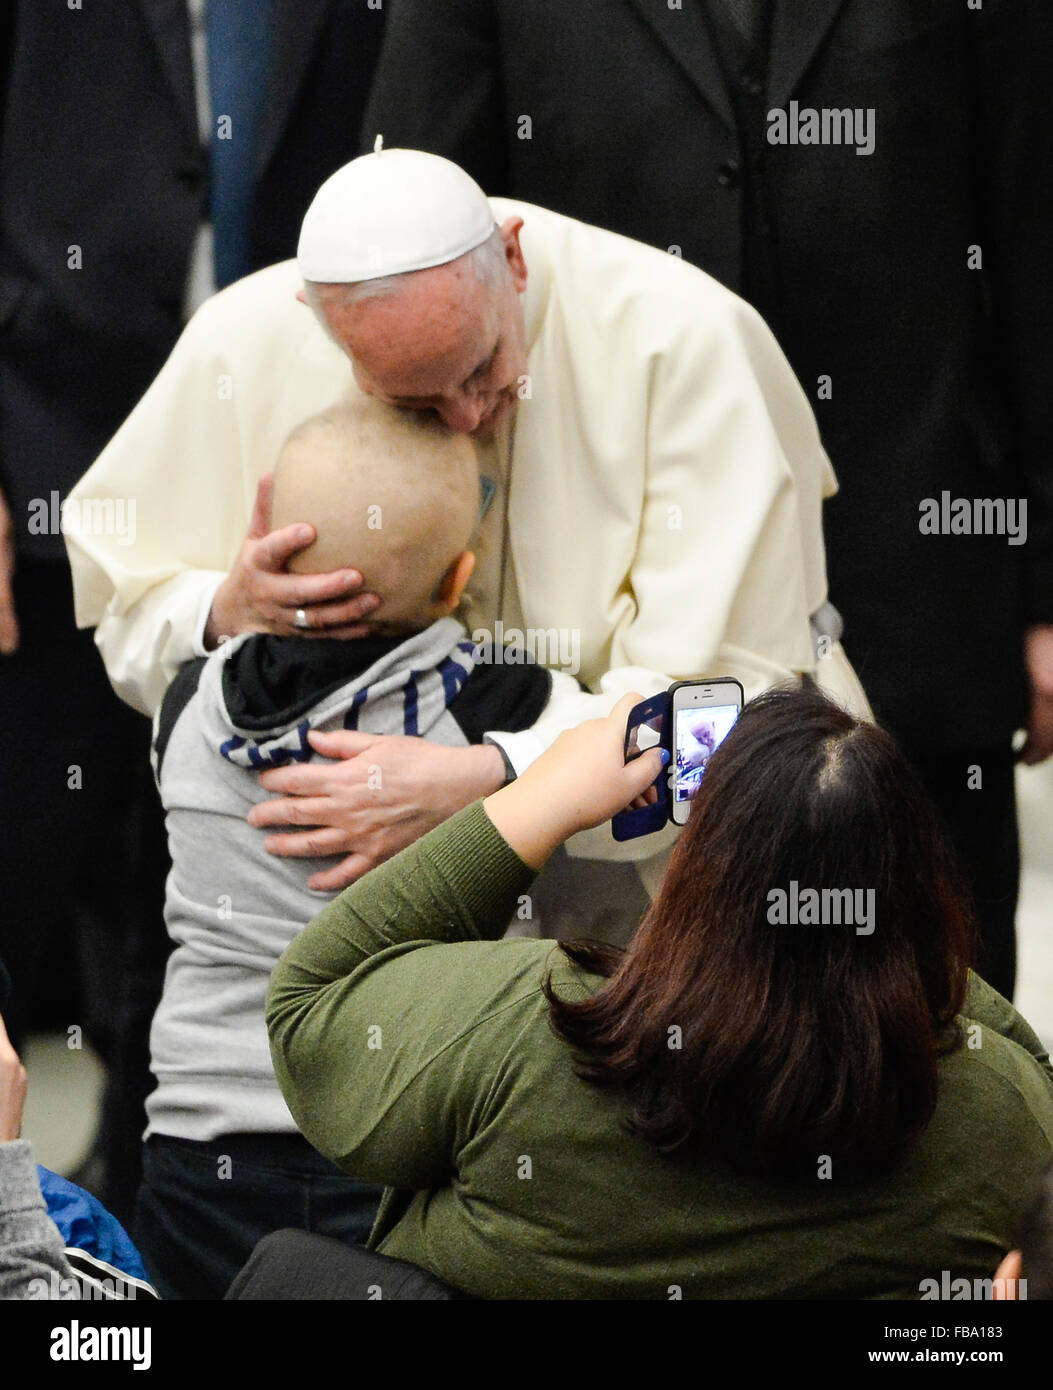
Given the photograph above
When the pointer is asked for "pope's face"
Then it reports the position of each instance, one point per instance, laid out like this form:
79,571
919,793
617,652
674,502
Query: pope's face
444,342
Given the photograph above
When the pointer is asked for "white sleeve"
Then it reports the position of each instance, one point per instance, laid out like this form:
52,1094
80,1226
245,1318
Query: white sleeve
143,647
176,465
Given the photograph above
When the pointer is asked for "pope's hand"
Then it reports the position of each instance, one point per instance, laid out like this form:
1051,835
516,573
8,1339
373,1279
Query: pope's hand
379,794
258,596
580,782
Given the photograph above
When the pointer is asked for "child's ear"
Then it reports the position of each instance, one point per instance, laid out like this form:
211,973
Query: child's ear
455,579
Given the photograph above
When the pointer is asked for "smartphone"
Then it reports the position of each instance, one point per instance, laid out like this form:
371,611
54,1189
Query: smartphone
689,720
703,713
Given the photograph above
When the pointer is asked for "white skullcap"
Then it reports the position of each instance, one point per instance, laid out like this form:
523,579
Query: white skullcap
390,212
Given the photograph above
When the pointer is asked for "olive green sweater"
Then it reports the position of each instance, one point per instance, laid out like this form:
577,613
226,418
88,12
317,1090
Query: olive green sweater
414,1049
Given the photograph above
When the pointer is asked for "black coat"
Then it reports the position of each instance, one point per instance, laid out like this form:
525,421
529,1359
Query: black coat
99,149
941,375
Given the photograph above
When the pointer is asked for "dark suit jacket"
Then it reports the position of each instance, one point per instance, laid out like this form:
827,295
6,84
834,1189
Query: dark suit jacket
99,148
941,376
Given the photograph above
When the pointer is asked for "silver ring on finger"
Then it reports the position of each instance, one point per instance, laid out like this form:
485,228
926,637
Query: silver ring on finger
300,620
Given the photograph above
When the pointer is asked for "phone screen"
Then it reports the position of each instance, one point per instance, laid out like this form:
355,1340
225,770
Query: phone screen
699,731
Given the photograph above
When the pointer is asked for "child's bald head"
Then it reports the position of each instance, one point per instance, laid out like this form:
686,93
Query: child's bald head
391,493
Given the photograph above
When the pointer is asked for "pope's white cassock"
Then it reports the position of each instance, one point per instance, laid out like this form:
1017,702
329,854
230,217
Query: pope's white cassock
659,495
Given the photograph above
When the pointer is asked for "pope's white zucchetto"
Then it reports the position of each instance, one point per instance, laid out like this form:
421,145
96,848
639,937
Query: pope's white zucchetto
388,213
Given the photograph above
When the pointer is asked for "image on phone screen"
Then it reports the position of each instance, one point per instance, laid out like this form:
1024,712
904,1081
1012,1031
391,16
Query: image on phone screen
699,732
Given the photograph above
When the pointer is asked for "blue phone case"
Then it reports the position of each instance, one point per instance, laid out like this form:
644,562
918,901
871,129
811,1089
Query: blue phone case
627,825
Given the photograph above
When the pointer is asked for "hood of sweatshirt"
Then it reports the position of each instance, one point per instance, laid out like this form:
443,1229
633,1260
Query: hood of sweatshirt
262,695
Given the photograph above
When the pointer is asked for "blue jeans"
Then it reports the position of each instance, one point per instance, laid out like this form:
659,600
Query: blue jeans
203,1207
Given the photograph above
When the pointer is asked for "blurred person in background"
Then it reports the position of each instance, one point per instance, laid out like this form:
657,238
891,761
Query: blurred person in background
56,1240
149,154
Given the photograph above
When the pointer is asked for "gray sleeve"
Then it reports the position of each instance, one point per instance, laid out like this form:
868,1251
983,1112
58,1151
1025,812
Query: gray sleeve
32,1254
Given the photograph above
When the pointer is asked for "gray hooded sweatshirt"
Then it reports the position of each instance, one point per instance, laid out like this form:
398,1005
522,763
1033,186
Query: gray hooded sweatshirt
231,908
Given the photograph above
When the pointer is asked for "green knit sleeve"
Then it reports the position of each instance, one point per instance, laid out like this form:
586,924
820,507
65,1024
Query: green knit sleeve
377,1010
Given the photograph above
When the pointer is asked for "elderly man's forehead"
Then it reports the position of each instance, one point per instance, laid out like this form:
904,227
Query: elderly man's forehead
408,363
420,341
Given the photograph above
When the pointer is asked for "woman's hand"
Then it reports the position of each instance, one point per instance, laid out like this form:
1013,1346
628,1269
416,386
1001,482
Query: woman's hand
580,782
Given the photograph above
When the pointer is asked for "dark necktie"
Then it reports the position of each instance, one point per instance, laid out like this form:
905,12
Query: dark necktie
239,50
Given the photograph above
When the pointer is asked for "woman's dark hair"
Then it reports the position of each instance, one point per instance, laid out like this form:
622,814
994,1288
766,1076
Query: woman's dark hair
767,1043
